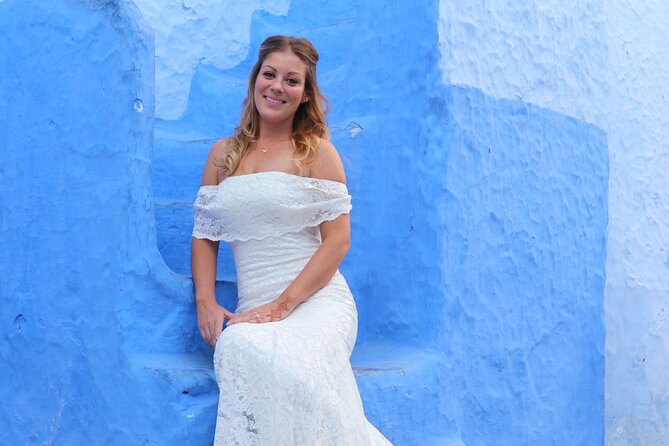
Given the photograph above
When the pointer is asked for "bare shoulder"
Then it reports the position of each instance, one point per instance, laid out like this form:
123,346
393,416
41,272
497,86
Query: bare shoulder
327,164
212,173
219,149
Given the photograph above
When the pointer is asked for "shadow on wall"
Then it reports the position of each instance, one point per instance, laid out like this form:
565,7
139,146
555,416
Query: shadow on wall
473,228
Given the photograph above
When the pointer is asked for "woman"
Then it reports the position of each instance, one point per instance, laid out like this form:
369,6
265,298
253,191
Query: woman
276,192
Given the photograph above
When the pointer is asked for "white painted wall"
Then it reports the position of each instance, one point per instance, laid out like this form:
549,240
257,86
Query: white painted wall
605,62
549,53
637,289
189,32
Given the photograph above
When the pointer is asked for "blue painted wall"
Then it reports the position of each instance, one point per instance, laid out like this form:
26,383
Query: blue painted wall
479,231
525,212
76,218
84,294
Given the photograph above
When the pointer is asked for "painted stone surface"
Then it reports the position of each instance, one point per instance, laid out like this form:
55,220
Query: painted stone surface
474,224
637,263
479,232
604,62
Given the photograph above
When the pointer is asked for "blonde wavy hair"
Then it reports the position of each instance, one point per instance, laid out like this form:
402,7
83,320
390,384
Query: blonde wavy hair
309,125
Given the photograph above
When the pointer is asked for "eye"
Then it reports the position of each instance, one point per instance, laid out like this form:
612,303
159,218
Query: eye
268,75
292,81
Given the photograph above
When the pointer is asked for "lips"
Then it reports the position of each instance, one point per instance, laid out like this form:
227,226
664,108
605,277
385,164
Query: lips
274,100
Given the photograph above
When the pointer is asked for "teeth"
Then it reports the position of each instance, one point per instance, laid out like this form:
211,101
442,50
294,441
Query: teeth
276,101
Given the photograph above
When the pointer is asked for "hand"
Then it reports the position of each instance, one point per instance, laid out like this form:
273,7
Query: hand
270,312
210,319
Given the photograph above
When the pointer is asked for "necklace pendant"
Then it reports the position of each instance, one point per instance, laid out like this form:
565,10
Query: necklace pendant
264,150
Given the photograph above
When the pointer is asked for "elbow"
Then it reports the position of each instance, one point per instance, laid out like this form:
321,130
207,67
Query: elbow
338,246
343,246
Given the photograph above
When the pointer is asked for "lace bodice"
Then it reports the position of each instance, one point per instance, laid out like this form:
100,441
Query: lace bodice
271,221
266,204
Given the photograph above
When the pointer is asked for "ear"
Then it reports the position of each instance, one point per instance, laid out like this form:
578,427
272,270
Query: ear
305,99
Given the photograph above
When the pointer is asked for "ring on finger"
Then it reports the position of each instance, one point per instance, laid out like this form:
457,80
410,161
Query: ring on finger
257,316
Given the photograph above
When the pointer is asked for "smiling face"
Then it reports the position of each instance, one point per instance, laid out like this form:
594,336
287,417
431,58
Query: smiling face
279,87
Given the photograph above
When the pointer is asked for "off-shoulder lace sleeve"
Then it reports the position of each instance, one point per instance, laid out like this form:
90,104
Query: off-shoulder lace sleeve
263,205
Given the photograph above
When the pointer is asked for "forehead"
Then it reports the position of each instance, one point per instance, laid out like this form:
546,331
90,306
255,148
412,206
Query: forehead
286,62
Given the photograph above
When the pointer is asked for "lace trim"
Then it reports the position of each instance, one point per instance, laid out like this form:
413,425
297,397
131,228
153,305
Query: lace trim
266,204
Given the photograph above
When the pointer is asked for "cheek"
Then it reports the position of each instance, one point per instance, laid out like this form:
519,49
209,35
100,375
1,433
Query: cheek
299,93
260,84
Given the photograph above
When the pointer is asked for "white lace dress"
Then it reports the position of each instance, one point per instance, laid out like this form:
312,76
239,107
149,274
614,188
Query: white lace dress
285,383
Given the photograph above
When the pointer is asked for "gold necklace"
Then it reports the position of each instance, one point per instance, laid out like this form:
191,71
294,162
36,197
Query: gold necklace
266,148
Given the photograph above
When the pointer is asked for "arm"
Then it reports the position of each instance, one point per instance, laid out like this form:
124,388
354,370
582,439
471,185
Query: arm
210,315
318,271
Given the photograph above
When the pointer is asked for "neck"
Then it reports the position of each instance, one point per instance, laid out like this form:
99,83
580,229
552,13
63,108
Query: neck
275,132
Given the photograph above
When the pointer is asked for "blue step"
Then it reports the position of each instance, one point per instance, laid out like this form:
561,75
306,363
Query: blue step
404,394
401,390
185,382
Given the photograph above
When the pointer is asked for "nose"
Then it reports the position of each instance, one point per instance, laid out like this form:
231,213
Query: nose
276,85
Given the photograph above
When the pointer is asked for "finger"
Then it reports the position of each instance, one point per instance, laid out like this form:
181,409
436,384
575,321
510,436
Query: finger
208,331
237,319
219,329
206,335
213,334
241,317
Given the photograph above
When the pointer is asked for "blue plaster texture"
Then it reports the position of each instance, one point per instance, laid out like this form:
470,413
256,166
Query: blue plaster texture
81,276
479,231
525,244
478,235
